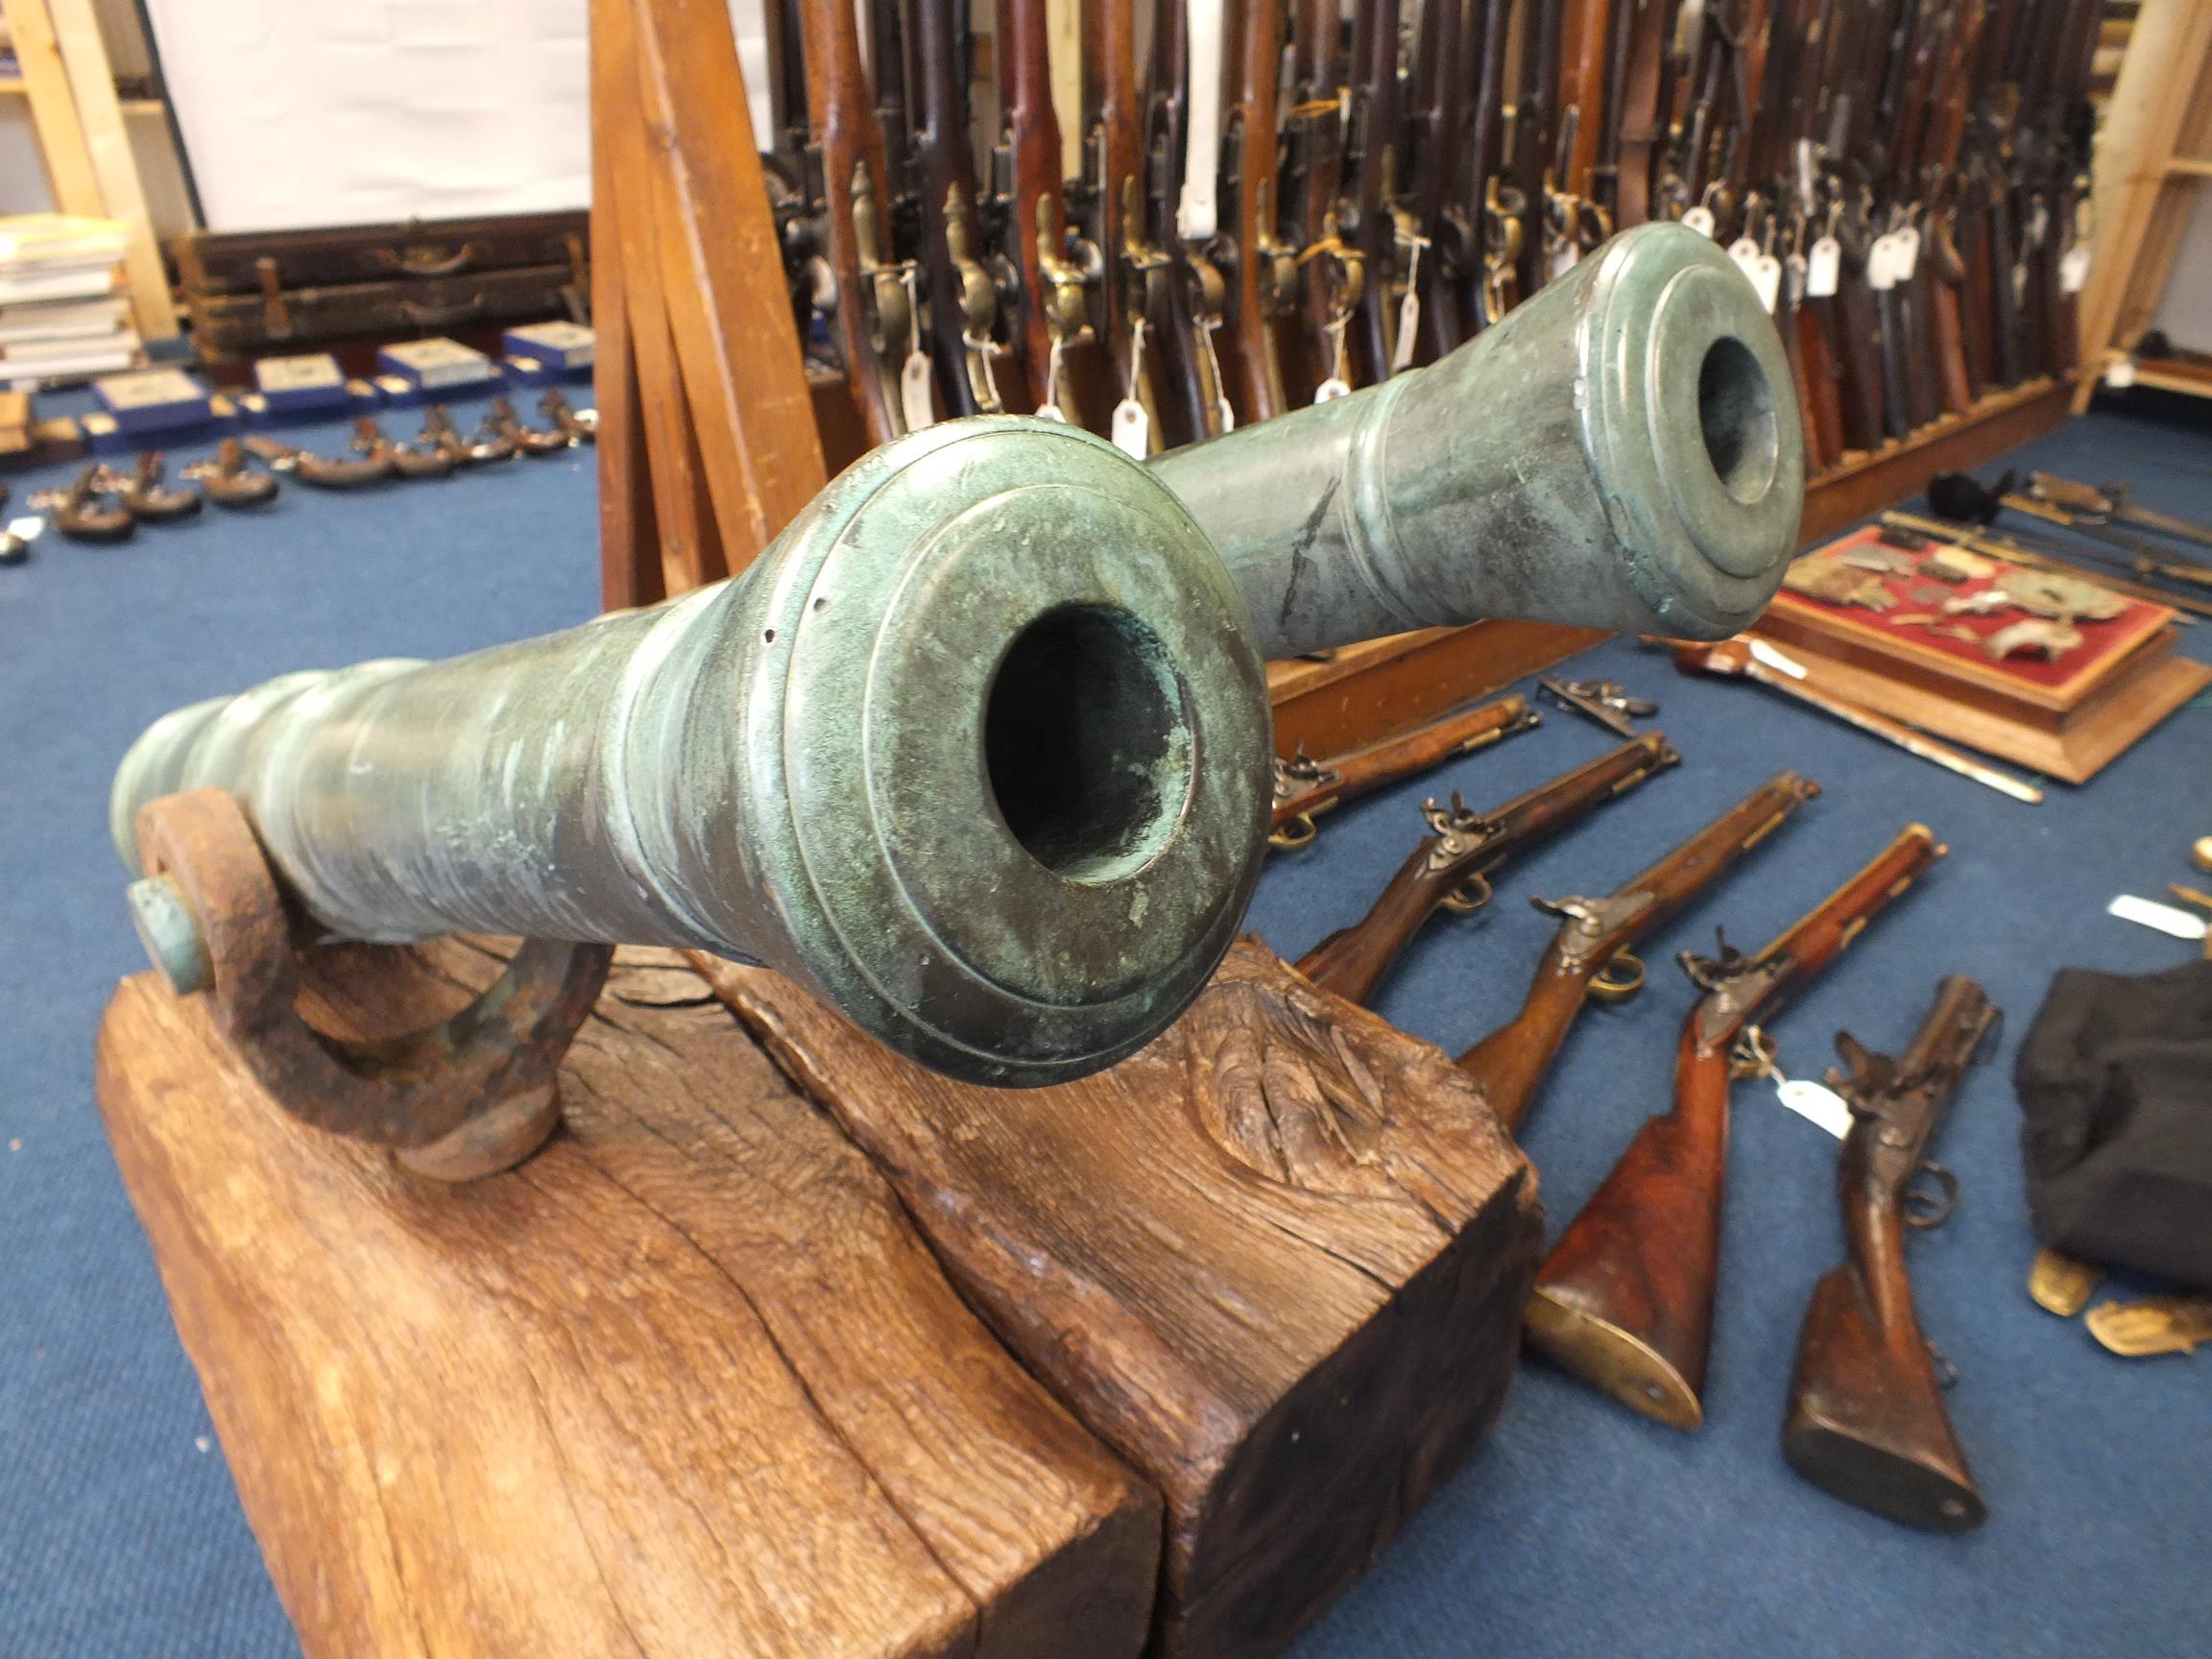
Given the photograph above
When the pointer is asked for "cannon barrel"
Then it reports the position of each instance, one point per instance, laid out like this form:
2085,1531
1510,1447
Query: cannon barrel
978,749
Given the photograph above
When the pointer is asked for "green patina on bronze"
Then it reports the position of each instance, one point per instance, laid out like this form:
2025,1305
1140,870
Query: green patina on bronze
979,748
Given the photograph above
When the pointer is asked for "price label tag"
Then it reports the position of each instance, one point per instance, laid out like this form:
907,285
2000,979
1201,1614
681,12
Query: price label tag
2074,269
1880,265
1699,218
1336,386
1132,428
1823,268
1905,253
1408,330
2120,374
1815,1103
914,398
1767,277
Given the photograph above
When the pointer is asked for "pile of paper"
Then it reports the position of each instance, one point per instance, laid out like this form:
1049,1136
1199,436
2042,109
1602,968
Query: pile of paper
64,315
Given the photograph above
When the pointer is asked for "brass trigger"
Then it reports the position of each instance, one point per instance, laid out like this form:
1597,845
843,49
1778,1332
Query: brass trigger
1469,897
1293,833
1620,979
1924,1208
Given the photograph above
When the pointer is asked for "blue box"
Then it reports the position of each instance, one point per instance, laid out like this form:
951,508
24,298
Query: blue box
150,401
302,385
565,348
435,366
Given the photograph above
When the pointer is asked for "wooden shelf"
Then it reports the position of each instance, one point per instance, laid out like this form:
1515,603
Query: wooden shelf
1865,484
2174,378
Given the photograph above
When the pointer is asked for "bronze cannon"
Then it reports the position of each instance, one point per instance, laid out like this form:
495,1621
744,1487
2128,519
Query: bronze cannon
978,749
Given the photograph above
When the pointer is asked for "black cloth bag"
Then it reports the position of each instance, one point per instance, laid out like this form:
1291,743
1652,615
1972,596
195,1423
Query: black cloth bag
2115,1077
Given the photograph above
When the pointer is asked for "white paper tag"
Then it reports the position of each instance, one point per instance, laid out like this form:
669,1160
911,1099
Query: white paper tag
1766,276
2074,268
1905,253
1132,428
1823,268
1815,1103
1333,387
1051,411
27,527
1563,259
1880,265
1409,328
2149,913
914,400
2120,374
1699,218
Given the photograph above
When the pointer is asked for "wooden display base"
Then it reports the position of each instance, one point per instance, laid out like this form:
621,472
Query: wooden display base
1864,484
1361,694
1277,1260
2073,750
689,1381
685,1383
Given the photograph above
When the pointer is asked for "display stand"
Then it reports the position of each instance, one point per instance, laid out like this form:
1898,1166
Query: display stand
689,1379
685,1382
1277,1260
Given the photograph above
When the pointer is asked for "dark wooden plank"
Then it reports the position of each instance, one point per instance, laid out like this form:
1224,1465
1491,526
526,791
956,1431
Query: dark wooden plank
1277,1260
685,1382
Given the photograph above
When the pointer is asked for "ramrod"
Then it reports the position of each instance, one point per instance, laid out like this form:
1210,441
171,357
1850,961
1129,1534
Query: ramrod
979,748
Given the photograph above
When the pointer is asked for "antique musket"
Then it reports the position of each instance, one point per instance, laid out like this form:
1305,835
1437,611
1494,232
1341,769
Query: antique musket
978,749
1452,867
1305,787
1866,1417
1624,1300
1592,954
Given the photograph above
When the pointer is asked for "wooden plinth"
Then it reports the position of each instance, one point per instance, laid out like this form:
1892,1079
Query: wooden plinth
1277,1260
1364,693
1864,483
685,1383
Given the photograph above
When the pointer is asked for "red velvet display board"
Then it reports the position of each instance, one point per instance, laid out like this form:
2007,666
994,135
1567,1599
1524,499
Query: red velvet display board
2105,646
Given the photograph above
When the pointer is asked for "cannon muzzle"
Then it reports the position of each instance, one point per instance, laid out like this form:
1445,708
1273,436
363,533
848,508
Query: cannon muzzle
978,749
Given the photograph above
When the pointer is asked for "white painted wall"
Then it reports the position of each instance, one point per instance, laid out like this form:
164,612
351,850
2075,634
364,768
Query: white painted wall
306,112
2185,309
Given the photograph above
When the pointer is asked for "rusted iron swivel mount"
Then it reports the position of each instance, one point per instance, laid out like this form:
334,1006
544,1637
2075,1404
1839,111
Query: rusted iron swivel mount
474,1095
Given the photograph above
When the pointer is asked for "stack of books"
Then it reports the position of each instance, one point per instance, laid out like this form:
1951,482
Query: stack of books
64,315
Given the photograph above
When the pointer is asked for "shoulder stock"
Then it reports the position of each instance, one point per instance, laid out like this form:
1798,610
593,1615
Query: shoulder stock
1866,1418
1624,1300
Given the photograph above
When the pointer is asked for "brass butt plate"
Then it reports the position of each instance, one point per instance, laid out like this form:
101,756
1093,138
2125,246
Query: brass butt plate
1612,1360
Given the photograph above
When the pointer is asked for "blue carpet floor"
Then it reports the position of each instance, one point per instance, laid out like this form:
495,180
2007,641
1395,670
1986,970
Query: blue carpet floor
1581,1530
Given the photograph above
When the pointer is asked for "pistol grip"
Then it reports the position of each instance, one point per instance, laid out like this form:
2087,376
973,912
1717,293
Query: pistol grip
1866,1418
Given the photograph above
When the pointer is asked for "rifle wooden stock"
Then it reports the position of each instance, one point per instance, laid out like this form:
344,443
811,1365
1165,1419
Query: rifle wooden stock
1252,362
1865,1418
1369,225
1624,1300
1314,140
1305,788
1637,124
1586,35
1036,225
1437,132
1190,406
1112,198
1511,1061
856,210
1823,376
1461,855
963,300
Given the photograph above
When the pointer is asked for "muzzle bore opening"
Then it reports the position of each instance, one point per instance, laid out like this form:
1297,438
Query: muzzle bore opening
1086,743
1735,410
